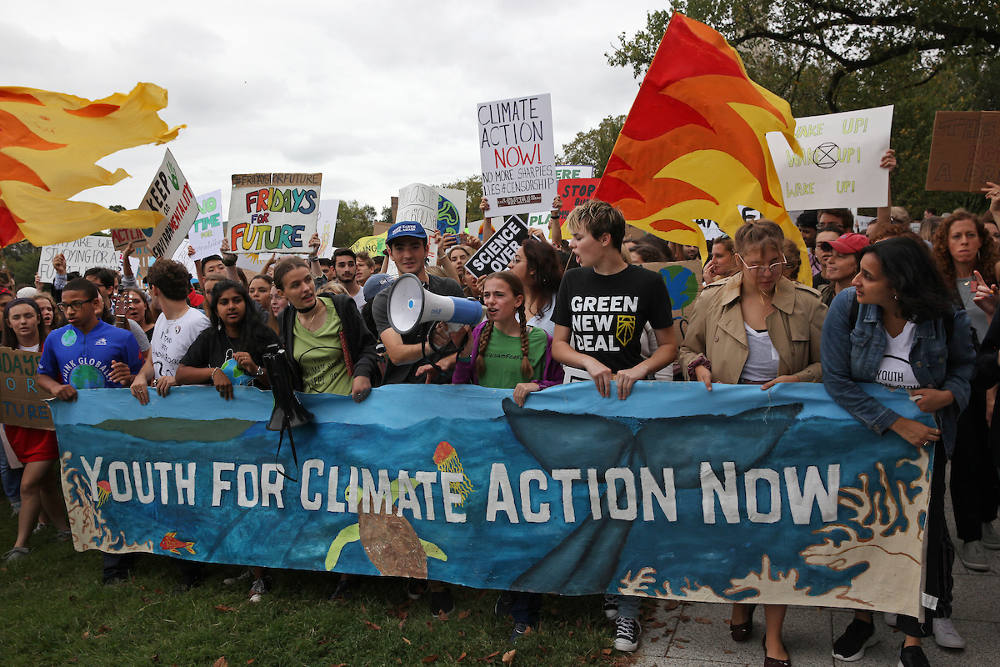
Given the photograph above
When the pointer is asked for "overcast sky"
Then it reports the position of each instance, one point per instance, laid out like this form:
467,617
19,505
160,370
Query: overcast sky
374,94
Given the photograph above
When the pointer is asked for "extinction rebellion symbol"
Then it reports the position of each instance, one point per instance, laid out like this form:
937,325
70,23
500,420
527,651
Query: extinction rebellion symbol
825,155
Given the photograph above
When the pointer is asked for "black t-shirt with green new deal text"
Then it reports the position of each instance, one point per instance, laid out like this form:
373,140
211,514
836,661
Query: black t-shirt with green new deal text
606,314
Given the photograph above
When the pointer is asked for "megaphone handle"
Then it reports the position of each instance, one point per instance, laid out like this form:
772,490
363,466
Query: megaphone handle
442,351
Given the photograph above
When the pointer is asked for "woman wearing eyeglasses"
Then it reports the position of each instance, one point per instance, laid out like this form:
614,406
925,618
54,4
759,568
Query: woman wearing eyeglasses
756,327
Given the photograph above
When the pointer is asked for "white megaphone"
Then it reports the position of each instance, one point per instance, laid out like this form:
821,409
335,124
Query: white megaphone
410,305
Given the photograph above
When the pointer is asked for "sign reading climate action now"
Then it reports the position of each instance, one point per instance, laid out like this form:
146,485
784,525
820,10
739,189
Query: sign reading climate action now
516,150
737,495
496,253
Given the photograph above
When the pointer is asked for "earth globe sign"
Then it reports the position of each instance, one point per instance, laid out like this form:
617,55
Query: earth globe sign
825,155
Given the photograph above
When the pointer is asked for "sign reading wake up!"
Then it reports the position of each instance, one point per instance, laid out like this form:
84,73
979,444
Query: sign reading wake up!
274,213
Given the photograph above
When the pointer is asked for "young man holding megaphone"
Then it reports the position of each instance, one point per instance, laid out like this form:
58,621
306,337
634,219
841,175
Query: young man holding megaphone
410,352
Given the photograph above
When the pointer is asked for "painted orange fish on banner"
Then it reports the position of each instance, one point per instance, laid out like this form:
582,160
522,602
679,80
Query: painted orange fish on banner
693,145
172,544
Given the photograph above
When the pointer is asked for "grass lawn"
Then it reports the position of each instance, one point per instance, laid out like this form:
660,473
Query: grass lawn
54,611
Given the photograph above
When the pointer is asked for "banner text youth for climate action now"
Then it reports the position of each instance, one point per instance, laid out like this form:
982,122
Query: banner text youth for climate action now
526,498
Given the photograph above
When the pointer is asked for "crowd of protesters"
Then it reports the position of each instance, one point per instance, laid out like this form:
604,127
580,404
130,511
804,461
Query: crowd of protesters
907,304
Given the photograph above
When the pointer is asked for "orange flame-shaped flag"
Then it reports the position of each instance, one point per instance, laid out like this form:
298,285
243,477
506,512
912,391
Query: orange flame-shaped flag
693,144
49,144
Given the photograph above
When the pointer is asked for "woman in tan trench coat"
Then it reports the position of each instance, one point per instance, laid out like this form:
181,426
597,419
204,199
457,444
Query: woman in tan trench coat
756,327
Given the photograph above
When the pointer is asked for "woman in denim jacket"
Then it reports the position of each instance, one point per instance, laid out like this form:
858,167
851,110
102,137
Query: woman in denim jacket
905,334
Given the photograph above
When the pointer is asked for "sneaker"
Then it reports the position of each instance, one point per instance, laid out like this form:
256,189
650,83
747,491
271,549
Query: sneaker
16,553
15,507
243,576
627,633
441,602
912,656
611,607
946,635
40,527
415,588
520,629
891,619
851,645
258,590
973,556
65,535
990,539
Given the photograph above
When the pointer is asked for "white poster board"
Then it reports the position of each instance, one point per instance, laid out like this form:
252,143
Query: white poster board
326,226
839,166
182,256
169,194
574,171
517,154
419,203
209,228
80,254
271,213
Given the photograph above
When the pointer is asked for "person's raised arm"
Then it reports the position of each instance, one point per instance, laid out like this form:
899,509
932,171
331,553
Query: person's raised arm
884,213
229,260
992,191
555,228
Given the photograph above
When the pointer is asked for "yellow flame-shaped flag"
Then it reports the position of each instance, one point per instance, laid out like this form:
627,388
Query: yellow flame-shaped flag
49,146
693,144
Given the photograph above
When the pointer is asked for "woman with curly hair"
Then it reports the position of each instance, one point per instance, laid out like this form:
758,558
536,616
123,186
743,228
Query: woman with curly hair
537,266
968,258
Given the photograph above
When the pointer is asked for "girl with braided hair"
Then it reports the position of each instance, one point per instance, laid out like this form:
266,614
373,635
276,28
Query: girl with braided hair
505,353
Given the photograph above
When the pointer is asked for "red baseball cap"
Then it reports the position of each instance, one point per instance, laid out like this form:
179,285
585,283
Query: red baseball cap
848,244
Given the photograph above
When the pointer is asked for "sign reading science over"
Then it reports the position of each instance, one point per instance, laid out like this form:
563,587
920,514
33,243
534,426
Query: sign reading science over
273,212
518,159
496,253
839,166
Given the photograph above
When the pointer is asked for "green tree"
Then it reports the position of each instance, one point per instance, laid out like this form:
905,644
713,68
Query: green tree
21,261
594,146
354,220
832,55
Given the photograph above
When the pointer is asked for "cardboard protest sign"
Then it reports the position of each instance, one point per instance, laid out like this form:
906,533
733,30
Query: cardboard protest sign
569,171
171,195
839,165
326,226
182,256
122,237
209,229
683,281
22,401
645,497
499,249
451,210
518,160
965,151
80,254
273,213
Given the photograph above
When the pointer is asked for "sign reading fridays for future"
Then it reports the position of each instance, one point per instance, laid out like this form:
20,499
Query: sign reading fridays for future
496,253
517,154
169,194
273,213
839,166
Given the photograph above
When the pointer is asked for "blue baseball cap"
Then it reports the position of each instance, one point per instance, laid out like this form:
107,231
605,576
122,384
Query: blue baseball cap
405,228
375,284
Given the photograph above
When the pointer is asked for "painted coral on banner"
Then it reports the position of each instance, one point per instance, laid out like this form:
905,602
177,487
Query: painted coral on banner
49,147
693,144
775,496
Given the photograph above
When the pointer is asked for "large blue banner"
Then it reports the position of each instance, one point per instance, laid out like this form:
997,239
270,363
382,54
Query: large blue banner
737,494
